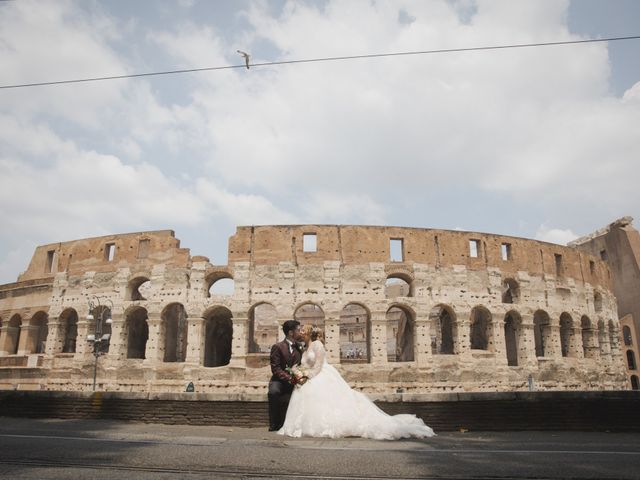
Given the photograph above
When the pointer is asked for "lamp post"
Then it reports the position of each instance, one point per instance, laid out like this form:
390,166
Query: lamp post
97,339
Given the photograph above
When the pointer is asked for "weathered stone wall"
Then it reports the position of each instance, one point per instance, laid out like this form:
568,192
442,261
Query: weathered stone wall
618,245
517,411
519,314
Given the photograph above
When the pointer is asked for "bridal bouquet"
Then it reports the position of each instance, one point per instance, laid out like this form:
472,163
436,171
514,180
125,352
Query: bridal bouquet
298,375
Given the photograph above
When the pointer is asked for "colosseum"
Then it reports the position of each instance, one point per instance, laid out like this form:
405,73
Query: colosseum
404,310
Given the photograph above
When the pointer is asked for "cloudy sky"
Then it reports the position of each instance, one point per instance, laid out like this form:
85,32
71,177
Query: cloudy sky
538,142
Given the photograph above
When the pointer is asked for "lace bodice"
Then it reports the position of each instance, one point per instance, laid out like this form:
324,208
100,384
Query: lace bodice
313,358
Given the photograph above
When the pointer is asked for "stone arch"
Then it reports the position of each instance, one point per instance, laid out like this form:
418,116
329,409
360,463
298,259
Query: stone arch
510,291
101,325
134,287
69,330
137,331
635,385
219,278
13,334
541,332
597,301
400,344
355,334
588,337
481,334
512,333
398,284
174,332
631,360
566,334
264,328
37,340
626,336
443,328
218,336
309,313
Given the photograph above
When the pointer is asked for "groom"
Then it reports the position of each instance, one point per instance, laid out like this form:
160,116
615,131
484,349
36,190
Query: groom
284,354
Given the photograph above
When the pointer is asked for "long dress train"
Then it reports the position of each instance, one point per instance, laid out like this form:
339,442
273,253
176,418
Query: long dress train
326,406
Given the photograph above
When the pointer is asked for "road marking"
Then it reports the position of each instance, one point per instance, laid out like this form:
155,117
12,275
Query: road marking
213,441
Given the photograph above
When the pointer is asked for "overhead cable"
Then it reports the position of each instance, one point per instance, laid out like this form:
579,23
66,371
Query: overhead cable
323,59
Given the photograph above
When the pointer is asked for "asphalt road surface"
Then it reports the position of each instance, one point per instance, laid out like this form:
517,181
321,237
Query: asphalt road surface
81,449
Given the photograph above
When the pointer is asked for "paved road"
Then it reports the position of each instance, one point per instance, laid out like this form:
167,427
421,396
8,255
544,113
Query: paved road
57,449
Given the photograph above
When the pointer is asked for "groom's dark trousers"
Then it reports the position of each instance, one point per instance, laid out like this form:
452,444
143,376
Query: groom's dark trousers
280,386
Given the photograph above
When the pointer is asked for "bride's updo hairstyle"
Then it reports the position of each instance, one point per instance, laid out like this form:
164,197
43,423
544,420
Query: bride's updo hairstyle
317,334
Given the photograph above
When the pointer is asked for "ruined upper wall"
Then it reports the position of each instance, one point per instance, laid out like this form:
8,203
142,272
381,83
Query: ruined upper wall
353,245
618,244
95,254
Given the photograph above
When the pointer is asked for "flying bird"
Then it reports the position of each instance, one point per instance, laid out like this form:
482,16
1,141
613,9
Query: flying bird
246,57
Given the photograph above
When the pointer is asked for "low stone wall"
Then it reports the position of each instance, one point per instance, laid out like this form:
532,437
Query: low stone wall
576,411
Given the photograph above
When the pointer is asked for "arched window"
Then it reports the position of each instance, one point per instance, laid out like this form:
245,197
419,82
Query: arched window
588,337
566,334
137,333
626,335
541,332
355,334
69,326
398,286
174,330
481,329
219,284
631,360
138,289
512,324
510,291
37,340
264,329
442,328
310,314
597,301
218,337
224,287
13,334
400,334
634,382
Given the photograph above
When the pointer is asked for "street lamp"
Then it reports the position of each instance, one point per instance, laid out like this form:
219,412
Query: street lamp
97,339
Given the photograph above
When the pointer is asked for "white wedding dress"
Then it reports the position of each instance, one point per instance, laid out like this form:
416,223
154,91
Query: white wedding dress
326,406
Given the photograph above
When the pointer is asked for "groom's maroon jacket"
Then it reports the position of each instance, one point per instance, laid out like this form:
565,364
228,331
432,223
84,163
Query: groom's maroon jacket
281,359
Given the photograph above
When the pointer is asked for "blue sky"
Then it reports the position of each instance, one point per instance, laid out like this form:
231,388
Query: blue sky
539,143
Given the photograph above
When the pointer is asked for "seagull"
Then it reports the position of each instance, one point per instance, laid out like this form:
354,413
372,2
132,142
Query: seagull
246,57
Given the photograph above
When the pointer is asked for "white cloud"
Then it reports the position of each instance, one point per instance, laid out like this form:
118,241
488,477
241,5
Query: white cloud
525,122
16,261
332,207
555,235
241,209
51,41
91,193
361,141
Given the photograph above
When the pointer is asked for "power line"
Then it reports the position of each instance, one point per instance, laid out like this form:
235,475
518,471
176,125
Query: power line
323,59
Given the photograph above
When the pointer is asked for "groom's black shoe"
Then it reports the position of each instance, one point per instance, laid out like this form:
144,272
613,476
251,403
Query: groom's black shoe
273,429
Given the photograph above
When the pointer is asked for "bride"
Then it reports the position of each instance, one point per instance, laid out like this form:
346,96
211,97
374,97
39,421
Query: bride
325,406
